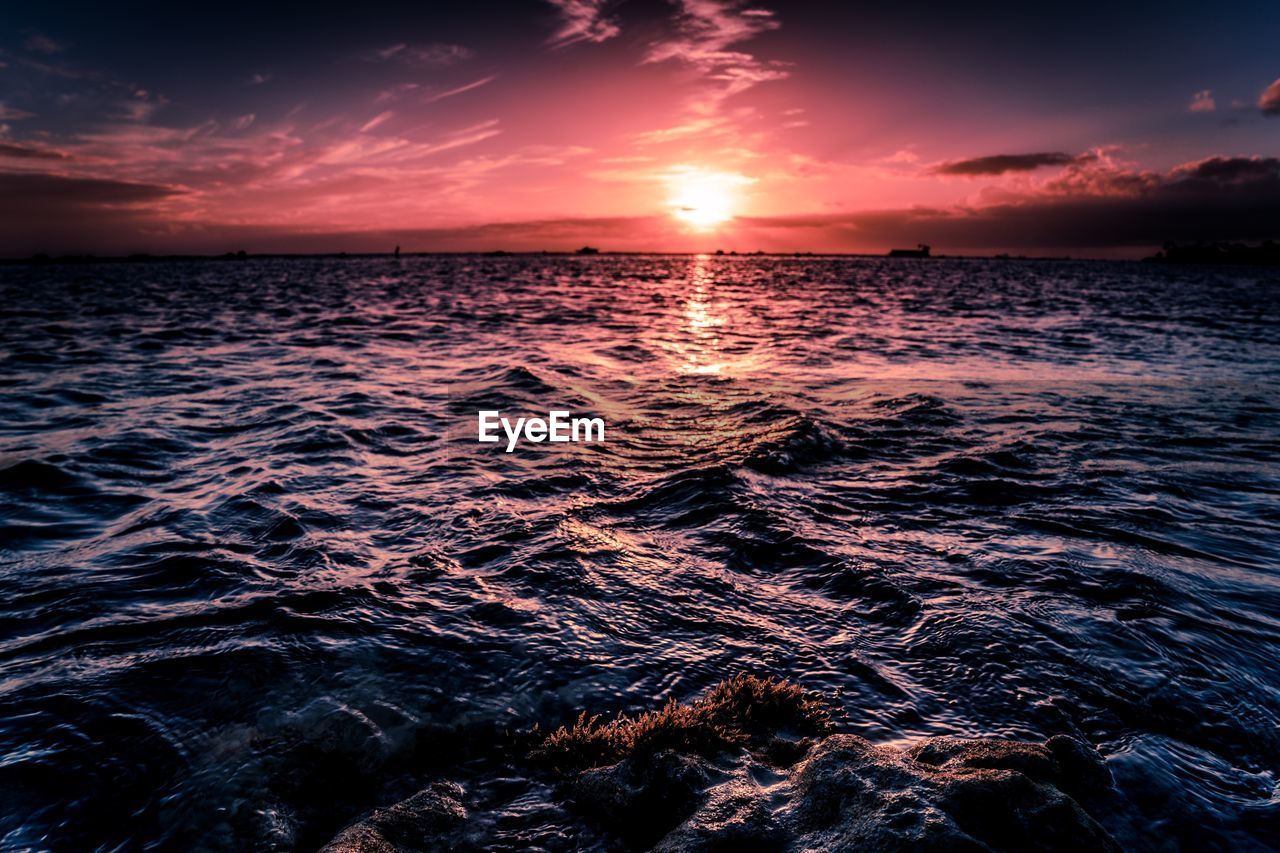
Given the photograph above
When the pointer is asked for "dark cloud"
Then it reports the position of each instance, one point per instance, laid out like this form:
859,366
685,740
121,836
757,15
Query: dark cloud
1220,198
419,55
52,213
1232,170
999,164
40,43
1269,100
56,191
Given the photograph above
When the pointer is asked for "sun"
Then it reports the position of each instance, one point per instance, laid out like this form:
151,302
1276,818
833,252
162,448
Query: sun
703,198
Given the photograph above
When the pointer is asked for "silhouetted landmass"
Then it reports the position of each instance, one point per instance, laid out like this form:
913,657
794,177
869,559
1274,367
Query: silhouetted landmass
1264,254
921,251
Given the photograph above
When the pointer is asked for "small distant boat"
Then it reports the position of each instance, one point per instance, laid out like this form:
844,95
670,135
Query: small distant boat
588,250
921,251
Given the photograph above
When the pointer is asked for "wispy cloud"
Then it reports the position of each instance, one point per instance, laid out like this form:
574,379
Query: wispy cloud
375,121
458,90
707,28
707,37
40,43
1269,100
1202,102
419,55
29,152
258,79
395,92
104,95
694,126
140,107
10,114
466,136
582,20
225,170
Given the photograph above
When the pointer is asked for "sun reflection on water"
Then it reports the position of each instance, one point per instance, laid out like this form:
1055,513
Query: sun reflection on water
693,336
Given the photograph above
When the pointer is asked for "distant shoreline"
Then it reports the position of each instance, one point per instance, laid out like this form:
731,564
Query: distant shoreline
67,260
1252,258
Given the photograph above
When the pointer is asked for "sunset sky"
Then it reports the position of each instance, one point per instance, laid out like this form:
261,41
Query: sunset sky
1100,129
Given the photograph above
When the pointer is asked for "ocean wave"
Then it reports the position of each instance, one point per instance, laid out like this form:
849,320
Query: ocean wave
257,577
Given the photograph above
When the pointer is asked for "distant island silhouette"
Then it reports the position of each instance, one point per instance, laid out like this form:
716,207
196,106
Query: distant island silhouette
921,251
1266,253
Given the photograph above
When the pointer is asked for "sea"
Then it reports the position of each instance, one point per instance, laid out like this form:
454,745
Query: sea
258,575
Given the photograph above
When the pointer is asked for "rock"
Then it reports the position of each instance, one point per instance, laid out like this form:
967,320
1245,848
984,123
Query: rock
431,819
1082,772
944,793
953,753
752,766
642,797
734,815
346,737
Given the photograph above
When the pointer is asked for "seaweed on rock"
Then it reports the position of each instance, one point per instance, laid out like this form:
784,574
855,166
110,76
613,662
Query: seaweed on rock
754,764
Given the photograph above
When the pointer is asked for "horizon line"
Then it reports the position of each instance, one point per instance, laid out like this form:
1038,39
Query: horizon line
143,257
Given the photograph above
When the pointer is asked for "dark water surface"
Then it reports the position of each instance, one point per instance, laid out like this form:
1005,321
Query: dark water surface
257,576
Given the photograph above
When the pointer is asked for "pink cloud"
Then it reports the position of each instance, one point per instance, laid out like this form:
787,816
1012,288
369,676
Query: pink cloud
707,28
708,35
582,20
458,90
375,121
1202,102
1269,100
